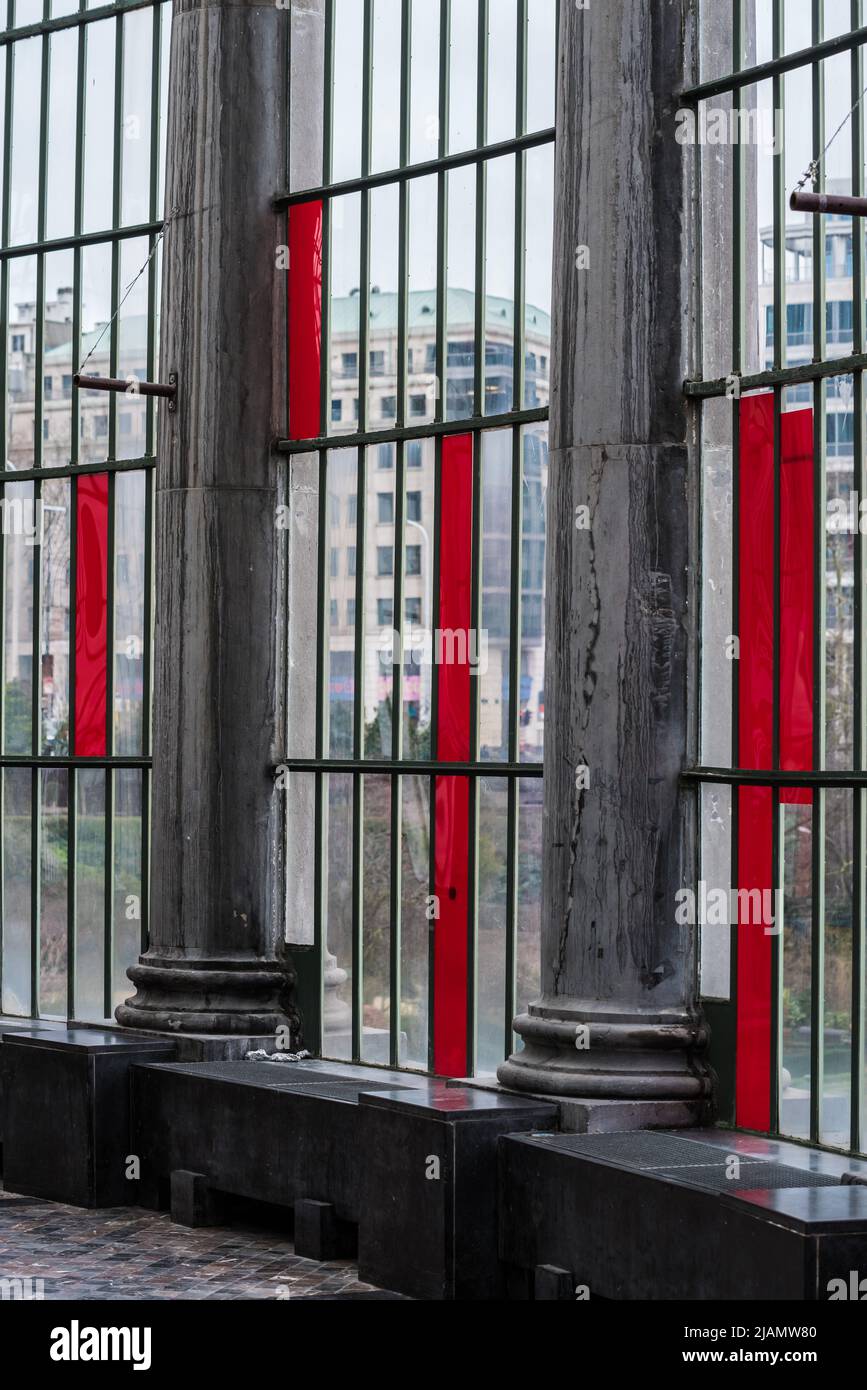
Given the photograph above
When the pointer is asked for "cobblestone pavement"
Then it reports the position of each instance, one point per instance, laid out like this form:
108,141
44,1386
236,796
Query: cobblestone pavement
129,1253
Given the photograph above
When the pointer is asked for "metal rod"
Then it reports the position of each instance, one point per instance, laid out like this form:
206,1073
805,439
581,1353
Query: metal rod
417,171
433,429
409,767
782,376
131,387
762,777
828,202
788,62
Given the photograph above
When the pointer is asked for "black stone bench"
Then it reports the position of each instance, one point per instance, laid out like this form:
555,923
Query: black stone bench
678,1215
64,1098
404,1164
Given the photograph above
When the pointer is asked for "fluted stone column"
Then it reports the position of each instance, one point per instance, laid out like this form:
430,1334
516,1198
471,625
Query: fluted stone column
617,1026
216,959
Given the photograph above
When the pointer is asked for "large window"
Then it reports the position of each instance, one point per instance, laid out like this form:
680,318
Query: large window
81,132
419,350
783,779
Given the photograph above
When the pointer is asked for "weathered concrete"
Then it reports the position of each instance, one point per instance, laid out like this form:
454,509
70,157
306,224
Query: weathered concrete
216,959
620,677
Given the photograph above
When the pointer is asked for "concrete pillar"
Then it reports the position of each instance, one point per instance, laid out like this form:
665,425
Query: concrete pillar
216,961
617,1026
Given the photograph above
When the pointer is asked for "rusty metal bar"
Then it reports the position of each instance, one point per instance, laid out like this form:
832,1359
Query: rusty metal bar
828,202
132,387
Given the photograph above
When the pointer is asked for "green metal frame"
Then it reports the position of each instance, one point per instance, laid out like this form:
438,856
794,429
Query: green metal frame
400,435
113,236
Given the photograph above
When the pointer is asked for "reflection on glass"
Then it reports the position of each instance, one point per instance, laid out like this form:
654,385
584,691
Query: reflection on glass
492,910
99,133
95,406
461,298
347,89
337,917
541,64
500,286
837,1076
759,329
62,100
129,612
380,566
376,918
527,954
463,60
420,467
385,86
382,345
502,79
132,344
534,490
494,645
135,132
127,885
89,893
24,163
796,850
54,634
422,283
539,239
54,846
15,937
18,559
341,532
843,518
415,926
21,363
57,365
343,314
425,82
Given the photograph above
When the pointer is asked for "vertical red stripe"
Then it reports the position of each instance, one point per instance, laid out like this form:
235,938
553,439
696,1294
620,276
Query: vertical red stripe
796,599
305,319
451,976
91,615
755,750
756,583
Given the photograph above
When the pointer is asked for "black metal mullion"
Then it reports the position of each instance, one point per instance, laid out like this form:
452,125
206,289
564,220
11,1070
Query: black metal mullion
481,301
777,66
434,429
444,163
76,18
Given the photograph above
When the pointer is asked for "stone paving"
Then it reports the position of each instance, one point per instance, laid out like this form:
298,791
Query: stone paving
130,1253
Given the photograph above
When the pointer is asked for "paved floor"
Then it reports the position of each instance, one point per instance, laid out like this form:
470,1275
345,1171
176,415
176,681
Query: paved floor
128,1253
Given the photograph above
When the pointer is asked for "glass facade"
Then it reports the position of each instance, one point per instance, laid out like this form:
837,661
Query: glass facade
783,749
82,129
419,302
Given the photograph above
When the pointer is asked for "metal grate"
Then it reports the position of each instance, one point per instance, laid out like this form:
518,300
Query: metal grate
686,1161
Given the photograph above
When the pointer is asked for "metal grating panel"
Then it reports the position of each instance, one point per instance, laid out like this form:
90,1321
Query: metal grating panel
286,1076
751,1176
688,1161
339,1088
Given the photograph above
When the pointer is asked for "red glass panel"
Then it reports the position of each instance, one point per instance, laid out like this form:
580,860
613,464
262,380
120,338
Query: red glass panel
756,586
796,598
91,614
453,745
305,319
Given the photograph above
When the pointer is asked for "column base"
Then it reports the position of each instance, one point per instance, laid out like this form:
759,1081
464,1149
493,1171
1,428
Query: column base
580,1051
209,995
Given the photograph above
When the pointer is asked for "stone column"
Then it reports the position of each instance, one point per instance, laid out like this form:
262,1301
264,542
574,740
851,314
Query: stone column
617,1026
216,960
